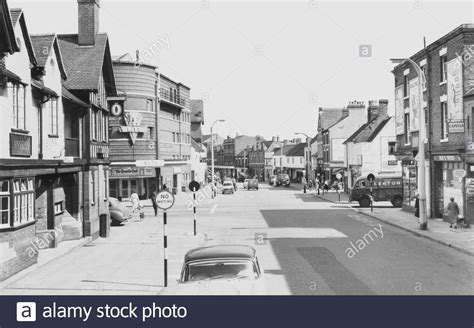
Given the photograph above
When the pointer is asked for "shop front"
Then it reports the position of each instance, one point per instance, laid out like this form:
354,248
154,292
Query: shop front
410,184
469,190
125,180
449,180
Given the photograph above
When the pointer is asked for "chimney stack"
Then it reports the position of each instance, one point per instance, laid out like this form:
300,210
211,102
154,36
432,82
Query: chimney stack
88,23
383,107
373,110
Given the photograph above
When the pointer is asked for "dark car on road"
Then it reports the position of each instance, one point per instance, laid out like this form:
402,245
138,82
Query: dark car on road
283,180
221,270
253,184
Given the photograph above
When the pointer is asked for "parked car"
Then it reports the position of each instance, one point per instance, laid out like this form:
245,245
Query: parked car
228,187
384,188
272,181
253,184
283,180
221,270
246,183
119,213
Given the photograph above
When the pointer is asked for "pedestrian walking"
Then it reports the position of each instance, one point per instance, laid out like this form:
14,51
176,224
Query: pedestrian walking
453,213
135,201
153,202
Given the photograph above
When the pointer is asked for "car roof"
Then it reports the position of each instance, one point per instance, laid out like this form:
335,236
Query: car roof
220,251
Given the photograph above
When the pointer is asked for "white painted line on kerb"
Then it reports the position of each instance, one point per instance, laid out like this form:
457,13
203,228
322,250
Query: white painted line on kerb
213,209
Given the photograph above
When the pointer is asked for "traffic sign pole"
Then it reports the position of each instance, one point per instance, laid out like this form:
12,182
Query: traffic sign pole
165,247
194,209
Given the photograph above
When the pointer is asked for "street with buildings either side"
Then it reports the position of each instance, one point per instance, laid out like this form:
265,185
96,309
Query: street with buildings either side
100,120
302,242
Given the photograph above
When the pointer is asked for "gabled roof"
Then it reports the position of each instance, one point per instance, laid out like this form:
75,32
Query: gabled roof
329,116
85,64
297,150
47,42
7,33
286,150
267,143
18,16
373,130
243,153
356,133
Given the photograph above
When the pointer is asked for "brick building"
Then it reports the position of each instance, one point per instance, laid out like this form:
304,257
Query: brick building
448,102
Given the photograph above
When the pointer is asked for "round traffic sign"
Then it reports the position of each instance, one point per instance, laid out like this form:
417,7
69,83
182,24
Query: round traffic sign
194,186
165,200
371,177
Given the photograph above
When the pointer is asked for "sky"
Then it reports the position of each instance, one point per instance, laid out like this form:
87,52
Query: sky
266,67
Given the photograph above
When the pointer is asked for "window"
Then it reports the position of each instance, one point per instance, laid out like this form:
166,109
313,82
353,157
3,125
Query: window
53,116
58,208
406,89
104,127
443,61
17,92
444,120
149,105
94,125
392,148
151,133
92,175
23,201
106,185
4,203
407,128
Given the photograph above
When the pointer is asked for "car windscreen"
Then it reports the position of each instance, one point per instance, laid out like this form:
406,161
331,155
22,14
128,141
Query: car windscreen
283,176
220,269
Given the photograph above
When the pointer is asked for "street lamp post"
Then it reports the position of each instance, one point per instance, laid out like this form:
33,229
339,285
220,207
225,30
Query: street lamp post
212,157
421,141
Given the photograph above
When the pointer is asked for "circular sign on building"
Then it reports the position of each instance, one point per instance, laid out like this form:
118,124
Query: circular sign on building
116,109
338,176
165,200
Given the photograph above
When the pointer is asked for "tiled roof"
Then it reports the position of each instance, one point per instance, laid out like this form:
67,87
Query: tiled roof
297,150
329,116
15,13
83,64
373,129
268,143
356,133
197,147
42,44
286,150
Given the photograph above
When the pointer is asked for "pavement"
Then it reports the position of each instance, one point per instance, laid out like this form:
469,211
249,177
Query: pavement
461,239
306,246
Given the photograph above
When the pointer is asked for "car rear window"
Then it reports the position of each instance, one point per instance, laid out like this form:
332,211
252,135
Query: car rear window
222,269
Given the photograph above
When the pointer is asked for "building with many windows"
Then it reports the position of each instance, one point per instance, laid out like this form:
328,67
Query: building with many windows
448,102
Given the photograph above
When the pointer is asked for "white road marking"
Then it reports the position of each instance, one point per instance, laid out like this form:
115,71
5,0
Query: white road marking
213,209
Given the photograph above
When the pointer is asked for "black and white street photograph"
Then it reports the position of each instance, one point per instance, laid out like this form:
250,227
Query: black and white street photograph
236,148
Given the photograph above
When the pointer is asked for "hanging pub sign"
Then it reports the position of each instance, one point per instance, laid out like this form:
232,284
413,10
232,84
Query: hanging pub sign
116,109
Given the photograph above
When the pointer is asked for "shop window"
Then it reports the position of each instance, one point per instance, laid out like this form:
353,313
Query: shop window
4,203
407,128
23,201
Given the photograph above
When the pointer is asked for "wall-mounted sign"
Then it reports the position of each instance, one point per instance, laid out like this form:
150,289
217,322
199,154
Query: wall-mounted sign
150,163
456,126
454,90
20,145
447,158
393,163
116,109
399,111
133,119
128,172
132,129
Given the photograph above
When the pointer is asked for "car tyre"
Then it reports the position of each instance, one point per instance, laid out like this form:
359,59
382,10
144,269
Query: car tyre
364,202
397,201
